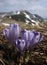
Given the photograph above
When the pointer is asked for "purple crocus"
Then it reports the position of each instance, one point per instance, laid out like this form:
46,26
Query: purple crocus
31,37
28,37
13,33
6,32
20,43
36,39
16,30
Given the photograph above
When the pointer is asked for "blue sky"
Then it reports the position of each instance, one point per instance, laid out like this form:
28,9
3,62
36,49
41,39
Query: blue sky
33,6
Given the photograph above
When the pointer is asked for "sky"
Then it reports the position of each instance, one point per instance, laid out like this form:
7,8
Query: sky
34,6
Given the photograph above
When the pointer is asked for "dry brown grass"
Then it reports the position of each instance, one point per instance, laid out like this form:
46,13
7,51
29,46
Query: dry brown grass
39,54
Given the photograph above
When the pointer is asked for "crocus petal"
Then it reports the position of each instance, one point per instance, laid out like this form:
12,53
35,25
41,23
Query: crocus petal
11,33
31,35
6,32
16,30
25,34
22,44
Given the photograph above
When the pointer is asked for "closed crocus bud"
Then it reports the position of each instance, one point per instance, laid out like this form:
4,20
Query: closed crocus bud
25,35
20,43
14,31
6,32
28,36
36,37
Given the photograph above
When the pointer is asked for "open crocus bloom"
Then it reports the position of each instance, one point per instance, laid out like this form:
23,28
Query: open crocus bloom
28,37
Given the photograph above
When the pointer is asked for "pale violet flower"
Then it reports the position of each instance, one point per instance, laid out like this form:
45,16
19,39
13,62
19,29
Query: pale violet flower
28,37
6,32
20,43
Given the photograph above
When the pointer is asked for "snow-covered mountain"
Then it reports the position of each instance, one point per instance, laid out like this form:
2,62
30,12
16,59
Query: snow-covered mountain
26,17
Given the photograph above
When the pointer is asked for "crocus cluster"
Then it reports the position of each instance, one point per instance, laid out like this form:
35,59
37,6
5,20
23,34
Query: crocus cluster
28,37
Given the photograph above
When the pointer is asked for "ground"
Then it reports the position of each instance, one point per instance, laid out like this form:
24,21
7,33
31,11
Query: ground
9,55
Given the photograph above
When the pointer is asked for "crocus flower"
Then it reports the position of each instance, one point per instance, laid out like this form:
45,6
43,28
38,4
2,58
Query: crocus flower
13,33
31,37
6,32
36,39
28,37
16,30
25,34
20,43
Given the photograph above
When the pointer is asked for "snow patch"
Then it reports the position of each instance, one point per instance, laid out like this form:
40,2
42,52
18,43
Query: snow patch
26,15
27,21
18,12
6,24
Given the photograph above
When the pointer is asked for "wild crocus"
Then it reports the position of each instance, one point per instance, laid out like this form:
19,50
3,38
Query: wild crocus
6,32
13,32
16,30
20,43
31,37
36,39
28,37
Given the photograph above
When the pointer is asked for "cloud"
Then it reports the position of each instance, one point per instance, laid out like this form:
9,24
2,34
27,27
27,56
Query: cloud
13,2
35,6
1,4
